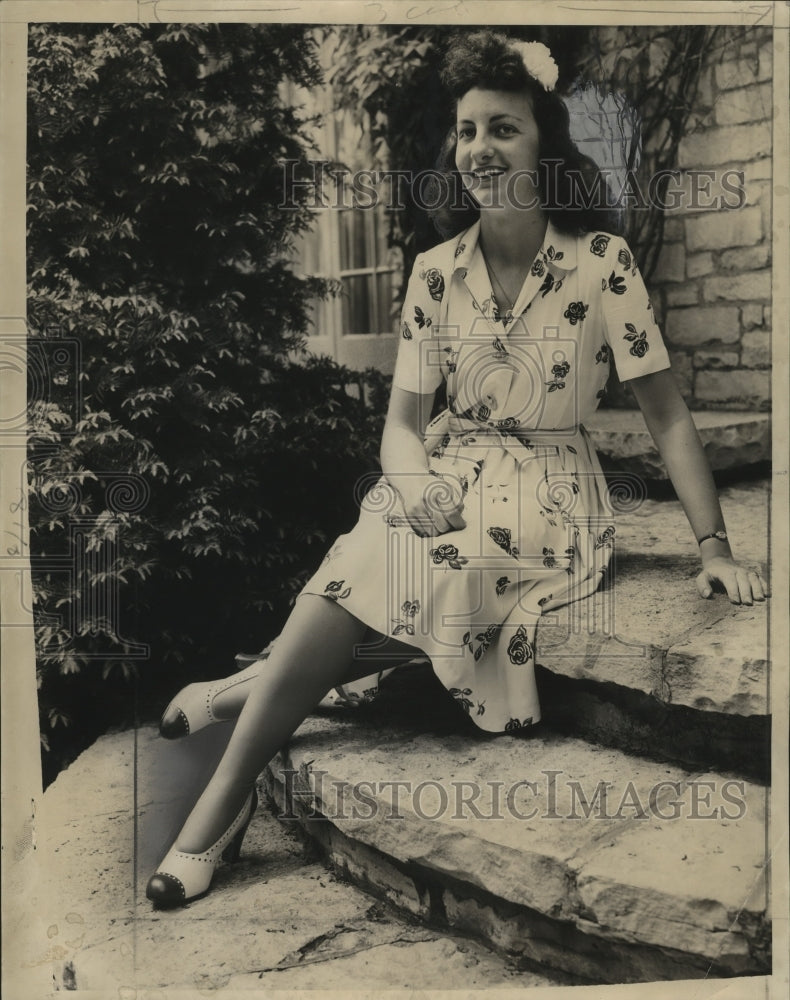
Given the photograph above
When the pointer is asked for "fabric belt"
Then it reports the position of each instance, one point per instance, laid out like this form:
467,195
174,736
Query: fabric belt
572,445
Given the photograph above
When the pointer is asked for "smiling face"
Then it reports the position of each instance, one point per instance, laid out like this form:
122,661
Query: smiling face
497,150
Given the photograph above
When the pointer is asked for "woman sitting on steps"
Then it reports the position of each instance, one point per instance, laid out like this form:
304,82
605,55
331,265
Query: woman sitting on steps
495,511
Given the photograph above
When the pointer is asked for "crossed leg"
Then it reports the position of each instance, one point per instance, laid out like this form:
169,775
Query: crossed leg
373,653
312,655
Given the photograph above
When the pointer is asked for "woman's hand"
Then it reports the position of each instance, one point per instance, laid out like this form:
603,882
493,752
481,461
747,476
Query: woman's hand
432,505
742,585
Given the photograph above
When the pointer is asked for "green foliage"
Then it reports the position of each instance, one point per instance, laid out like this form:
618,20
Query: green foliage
180,458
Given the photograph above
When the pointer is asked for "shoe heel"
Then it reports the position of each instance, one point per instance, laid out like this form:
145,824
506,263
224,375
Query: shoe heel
231,853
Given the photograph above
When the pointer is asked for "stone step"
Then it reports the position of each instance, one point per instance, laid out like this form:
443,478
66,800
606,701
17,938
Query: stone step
572,856
604,869
647,665
276,921
732,440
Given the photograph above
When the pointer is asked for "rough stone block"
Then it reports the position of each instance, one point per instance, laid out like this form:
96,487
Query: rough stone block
576,952
631,900
376,873
754,285
699,264
746,104
683,371
705,97
658,309
766,62
701,118
730,440
766,209
715,359
642,724
743,72
756,349
752,316
758,194
738,389
671,265
757,170
730,144
719,230
758,191
686,294
746,258
580,832
738,674
701,325
767,313
702,189
674,230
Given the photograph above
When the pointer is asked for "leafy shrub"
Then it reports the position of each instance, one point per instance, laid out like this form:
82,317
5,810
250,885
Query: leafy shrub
186,471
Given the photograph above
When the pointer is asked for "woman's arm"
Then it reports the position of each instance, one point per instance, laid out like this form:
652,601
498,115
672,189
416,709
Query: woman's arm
670,424
405,465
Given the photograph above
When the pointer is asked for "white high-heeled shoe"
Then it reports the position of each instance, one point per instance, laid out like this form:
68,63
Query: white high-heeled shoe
182,877
192,709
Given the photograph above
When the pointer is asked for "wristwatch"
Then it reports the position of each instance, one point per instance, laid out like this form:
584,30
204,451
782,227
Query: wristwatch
721,535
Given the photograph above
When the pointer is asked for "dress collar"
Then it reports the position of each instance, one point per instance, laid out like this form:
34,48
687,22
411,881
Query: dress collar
558,249
556,258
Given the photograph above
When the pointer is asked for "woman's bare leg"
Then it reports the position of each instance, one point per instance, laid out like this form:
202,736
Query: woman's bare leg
376,652
311,656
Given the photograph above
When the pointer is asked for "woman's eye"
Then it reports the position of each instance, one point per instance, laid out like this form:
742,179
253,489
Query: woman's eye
506,130
463,133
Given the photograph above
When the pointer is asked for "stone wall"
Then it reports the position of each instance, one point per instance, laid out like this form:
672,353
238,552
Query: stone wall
712,286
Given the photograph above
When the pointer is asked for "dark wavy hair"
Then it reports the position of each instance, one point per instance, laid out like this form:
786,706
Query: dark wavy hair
484,59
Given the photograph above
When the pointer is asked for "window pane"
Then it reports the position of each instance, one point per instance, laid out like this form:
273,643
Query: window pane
306,260
357,304
387,322
308,251
380,227
354,249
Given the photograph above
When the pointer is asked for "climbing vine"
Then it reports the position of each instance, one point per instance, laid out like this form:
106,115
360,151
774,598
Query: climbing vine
659,76
387,78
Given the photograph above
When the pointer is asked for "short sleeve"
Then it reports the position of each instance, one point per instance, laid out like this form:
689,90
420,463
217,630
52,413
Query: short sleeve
418,367
629,324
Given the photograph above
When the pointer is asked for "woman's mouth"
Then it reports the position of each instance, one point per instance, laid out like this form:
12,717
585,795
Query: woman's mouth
486,173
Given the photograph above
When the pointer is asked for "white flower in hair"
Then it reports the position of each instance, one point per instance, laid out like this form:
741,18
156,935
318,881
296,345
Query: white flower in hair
538,62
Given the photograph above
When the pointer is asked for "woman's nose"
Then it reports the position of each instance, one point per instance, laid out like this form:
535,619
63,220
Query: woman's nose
481,147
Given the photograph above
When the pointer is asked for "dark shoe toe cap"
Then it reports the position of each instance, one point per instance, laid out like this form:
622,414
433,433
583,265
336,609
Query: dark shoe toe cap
173,724
165,890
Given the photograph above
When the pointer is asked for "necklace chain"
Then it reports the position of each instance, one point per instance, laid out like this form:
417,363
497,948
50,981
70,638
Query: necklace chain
506,297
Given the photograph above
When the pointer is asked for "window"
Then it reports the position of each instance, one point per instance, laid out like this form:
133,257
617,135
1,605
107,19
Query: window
366,271
358,327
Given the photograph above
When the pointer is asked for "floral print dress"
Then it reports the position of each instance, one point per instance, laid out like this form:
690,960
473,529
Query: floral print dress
539,531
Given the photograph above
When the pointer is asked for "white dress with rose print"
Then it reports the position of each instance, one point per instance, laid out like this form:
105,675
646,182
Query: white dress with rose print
539,530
